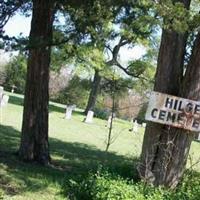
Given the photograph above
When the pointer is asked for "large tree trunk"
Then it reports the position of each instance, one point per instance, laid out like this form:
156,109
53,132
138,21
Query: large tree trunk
94,92
165,149
34,140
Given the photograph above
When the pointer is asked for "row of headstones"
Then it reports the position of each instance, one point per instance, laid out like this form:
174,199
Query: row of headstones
69,110
89,117
3,97
90,114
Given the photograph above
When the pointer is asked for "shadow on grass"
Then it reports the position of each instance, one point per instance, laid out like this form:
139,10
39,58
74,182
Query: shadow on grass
16,100
197,140
69,160
53,107
56,108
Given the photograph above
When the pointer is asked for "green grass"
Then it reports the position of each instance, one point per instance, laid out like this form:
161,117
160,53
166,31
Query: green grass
75,130
77,149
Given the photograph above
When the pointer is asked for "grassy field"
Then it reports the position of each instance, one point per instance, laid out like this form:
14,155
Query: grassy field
77,149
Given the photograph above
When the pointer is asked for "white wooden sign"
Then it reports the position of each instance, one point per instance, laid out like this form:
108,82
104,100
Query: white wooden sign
174,111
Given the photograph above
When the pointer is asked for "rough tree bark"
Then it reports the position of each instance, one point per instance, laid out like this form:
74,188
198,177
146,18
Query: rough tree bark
165,149
34,140
93,93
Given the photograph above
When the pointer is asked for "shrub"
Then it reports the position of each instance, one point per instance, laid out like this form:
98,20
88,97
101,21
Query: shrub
1,194
76,92
189,187
106,186
101,113
16,73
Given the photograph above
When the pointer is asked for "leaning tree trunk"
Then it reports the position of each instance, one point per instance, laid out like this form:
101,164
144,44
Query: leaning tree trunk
94,92
34,140
165,149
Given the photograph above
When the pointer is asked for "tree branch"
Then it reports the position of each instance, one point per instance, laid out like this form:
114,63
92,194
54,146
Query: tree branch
116,49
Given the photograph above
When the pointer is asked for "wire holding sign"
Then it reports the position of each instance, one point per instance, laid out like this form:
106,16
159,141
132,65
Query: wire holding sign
174,111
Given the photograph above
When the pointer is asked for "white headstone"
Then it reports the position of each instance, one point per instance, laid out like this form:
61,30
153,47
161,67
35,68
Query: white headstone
198,137
144,125
13,88
1,93
73,106
4,100
1,88
89,118
109,121
135,126
68,113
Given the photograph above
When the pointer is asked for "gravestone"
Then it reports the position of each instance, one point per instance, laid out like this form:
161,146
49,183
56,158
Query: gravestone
89,118
1,93
4,100
13,88
144,125
135,126
109,121
68,113
73,106
198,138
69,110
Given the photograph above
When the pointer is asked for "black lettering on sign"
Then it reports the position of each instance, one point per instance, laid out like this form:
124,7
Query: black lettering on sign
180,106
197,109
189,107
181,118
171,117
168,103
162,115
175,104
195,124
153,112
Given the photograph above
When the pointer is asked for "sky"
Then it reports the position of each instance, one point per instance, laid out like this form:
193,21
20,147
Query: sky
20,24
